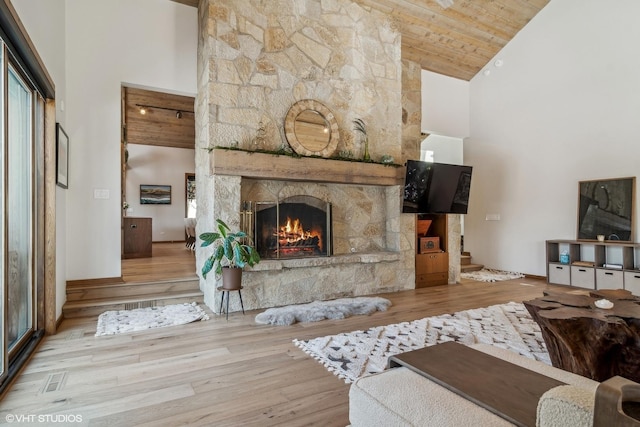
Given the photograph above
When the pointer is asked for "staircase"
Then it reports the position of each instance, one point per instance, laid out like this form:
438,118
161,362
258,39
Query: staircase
466,265
92,300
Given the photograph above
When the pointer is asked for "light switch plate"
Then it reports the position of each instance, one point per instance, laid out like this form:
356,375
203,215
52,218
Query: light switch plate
100,193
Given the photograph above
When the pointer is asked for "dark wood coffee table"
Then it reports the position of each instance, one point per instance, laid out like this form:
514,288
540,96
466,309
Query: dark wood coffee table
507,390
589,341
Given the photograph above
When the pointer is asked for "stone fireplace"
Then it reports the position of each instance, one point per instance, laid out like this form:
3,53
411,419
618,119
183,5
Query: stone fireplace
296,227
256,59
372,242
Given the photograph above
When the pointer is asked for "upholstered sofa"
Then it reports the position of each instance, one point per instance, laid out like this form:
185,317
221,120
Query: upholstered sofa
401,397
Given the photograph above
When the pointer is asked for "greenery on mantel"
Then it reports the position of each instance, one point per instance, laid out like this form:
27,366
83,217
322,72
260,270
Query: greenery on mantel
284,152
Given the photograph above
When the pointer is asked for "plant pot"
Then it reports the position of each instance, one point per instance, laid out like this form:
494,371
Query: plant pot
231,278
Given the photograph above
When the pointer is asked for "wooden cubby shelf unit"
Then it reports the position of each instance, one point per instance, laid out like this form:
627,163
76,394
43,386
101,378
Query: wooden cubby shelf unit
594,264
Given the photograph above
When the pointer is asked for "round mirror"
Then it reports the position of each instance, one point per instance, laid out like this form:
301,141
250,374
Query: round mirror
311,129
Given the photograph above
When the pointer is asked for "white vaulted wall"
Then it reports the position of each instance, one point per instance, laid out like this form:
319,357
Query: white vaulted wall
562,109
144,42
445,105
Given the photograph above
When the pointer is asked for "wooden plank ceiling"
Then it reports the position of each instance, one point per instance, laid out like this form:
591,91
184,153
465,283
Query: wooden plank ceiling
160,124
457,41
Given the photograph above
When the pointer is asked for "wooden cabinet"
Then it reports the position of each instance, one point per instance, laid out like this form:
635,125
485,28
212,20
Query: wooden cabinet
432,269
432,263
137,237
594,264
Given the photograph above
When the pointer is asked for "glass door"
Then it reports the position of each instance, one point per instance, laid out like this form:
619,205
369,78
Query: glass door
27,214
3,306
19,211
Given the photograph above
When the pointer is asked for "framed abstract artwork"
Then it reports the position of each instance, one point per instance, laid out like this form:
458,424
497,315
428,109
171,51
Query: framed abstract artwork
62,157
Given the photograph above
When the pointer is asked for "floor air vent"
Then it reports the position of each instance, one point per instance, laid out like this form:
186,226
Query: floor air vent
54,382
141,304
75,334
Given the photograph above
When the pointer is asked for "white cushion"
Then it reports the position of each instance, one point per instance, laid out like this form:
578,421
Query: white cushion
566,406
400,397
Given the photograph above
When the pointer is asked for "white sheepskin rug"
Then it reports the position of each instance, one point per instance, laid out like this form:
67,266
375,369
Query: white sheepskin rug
139,319
491,275
320,310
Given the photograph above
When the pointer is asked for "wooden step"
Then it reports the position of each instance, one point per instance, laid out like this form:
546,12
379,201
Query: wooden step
471,267
130,289
95,307
465,259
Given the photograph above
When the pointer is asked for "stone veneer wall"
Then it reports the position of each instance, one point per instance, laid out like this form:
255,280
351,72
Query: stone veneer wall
256,59
267,55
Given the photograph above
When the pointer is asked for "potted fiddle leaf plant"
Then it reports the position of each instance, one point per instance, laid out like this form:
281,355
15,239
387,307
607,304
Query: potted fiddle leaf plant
233,251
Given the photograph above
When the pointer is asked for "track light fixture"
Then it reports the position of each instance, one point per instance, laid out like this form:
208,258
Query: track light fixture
143,109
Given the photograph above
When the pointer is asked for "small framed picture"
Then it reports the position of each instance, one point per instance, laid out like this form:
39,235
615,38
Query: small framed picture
155,194
62,157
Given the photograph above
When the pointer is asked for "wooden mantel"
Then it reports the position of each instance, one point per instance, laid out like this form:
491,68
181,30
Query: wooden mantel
286,168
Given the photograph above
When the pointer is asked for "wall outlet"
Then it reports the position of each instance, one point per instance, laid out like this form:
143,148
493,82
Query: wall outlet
492,217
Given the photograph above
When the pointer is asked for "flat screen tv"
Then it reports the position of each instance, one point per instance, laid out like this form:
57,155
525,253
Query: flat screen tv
436,188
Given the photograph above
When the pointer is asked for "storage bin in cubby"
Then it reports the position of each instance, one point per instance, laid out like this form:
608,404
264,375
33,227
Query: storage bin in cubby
609,279
632,282
583,277
559,274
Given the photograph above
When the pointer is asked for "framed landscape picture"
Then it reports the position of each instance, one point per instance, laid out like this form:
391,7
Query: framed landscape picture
155,194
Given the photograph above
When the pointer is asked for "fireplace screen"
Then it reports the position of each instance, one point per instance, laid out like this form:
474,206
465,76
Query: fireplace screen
295,227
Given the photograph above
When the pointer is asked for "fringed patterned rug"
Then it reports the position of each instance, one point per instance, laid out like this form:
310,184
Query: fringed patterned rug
491,275
355,354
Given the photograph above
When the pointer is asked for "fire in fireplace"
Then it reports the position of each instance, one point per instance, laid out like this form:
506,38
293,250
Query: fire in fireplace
295,227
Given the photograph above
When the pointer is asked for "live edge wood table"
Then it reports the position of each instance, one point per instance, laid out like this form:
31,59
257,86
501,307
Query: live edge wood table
589,341
509,391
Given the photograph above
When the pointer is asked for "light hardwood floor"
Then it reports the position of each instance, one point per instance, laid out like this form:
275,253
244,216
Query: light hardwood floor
169,261
217,372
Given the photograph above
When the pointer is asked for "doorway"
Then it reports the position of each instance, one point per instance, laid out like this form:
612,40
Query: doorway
158,151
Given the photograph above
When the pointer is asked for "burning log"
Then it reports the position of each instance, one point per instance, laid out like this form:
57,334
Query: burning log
310,242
